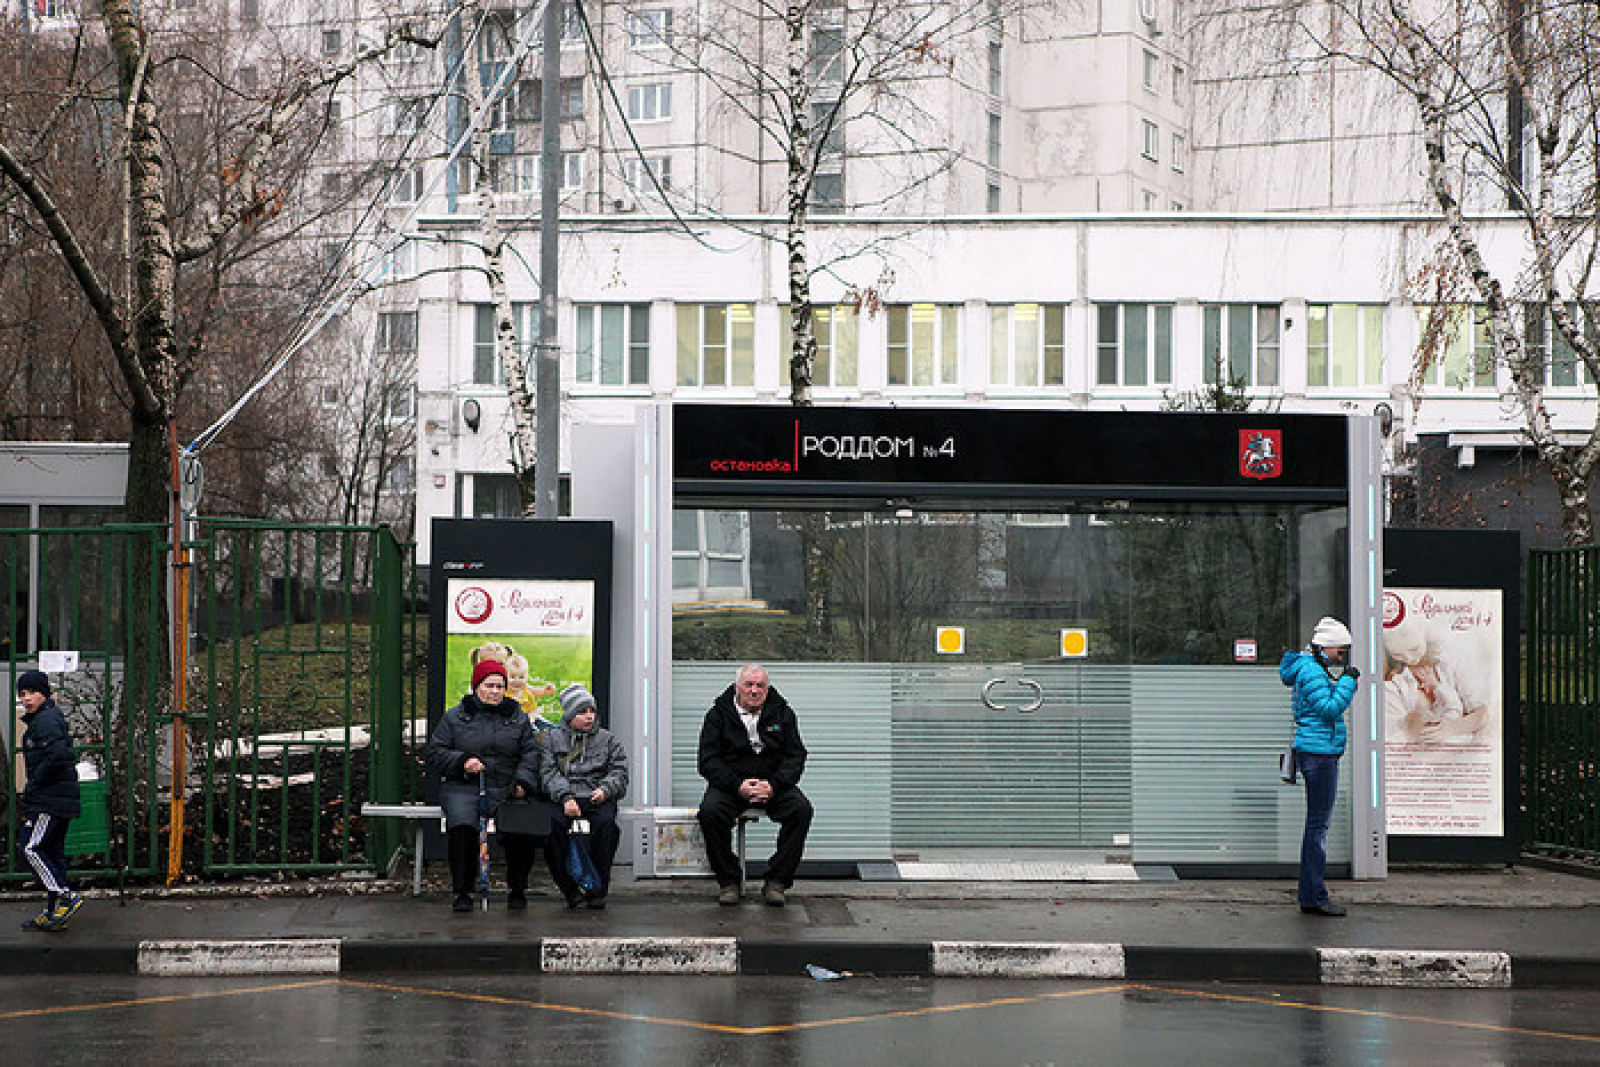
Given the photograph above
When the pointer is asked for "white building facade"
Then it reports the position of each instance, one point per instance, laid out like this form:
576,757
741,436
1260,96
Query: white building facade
1311,313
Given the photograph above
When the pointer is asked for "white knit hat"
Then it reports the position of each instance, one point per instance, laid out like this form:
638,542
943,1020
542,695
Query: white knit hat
1331,633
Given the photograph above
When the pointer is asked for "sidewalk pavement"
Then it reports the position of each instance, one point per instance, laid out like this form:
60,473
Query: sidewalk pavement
1485,927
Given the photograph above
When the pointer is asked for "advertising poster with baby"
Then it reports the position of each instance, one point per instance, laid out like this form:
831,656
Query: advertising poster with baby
1444,724
543,631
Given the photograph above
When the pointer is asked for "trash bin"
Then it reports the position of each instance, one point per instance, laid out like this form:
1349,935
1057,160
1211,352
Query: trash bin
90,832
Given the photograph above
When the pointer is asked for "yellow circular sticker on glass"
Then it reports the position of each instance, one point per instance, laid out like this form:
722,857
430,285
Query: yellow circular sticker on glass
1074,643
950,640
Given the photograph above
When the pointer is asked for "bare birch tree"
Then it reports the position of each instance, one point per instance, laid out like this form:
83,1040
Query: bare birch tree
1506,95
509,347
186,214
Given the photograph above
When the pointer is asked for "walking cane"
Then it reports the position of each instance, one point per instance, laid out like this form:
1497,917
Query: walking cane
483,840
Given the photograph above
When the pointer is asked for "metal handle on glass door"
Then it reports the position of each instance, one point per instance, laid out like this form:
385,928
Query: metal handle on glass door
1038,694
990,704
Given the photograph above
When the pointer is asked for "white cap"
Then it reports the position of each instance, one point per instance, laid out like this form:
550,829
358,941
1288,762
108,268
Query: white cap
1331,633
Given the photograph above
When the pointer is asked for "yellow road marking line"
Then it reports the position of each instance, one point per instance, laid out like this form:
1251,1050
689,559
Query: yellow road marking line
171,998
721,1028
1371,1013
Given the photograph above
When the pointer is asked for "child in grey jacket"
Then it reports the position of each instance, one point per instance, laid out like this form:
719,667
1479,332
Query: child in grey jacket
585,773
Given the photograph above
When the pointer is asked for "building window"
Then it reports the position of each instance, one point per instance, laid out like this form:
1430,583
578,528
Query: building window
1148,199
1152,70
994,141
710,555
1150,142
995,84
1180,150
1344,345
406,115
1562,367
408,185
249,79
651,28
331,42
397,332
571,171
527,100
486,366
399,403
838,330
650,177
249,10
924,344
402,261
496,496
1133,344
1177,205
993,200
613,344
1027,344
827,190
1241,342
716,345
328,395
827,57
650,103
1455,349
1179,86
827,129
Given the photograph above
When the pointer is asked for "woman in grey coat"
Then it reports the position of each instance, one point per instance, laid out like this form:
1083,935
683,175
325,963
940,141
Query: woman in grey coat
585,774
489,734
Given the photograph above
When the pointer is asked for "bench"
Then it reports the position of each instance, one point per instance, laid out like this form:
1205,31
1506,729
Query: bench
418,814
746,817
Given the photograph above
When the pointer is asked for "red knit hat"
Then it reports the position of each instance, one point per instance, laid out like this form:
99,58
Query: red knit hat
484,669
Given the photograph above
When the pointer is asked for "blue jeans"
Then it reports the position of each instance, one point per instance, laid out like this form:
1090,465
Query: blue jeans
1322,787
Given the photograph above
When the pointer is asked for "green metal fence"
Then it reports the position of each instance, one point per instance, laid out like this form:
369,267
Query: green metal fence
1561,766
306,670
98,592
305,696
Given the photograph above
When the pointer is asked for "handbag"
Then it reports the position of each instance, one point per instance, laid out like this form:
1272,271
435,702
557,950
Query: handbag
524,815
580,867
1288,770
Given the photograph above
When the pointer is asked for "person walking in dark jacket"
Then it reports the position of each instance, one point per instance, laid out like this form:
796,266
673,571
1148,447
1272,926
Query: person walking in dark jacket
751,756
585,774
1324,684
487,734
49,800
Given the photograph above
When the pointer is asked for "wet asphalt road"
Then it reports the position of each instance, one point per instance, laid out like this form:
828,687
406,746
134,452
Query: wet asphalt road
423,1019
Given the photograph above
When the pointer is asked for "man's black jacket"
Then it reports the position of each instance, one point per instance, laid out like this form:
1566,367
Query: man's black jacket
726,758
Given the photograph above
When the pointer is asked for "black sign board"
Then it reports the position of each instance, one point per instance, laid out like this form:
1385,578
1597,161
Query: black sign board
732,449
534,594
1453,727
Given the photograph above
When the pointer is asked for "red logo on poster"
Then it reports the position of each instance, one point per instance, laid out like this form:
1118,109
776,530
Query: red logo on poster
1260,453
1394,609
474,604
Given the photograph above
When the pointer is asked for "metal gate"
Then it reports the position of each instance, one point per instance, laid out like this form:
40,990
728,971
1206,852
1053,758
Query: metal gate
95,591
306,657
1562,756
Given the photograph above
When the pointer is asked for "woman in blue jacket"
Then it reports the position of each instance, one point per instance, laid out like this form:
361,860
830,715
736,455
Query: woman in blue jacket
1324,684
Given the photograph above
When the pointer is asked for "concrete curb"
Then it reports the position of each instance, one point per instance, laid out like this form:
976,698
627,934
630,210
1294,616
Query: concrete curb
672,956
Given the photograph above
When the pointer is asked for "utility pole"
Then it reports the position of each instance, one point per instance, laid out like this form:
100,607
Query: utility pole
547,382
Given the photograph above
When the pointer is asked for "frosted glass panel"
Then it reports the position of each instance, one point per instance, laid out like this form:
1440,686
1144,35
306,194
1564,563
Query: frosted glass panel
1205,769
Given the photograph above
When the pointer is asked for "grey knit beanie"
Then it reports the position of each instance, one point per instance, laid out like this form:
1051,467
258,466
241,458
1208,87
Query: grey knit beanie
574,698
